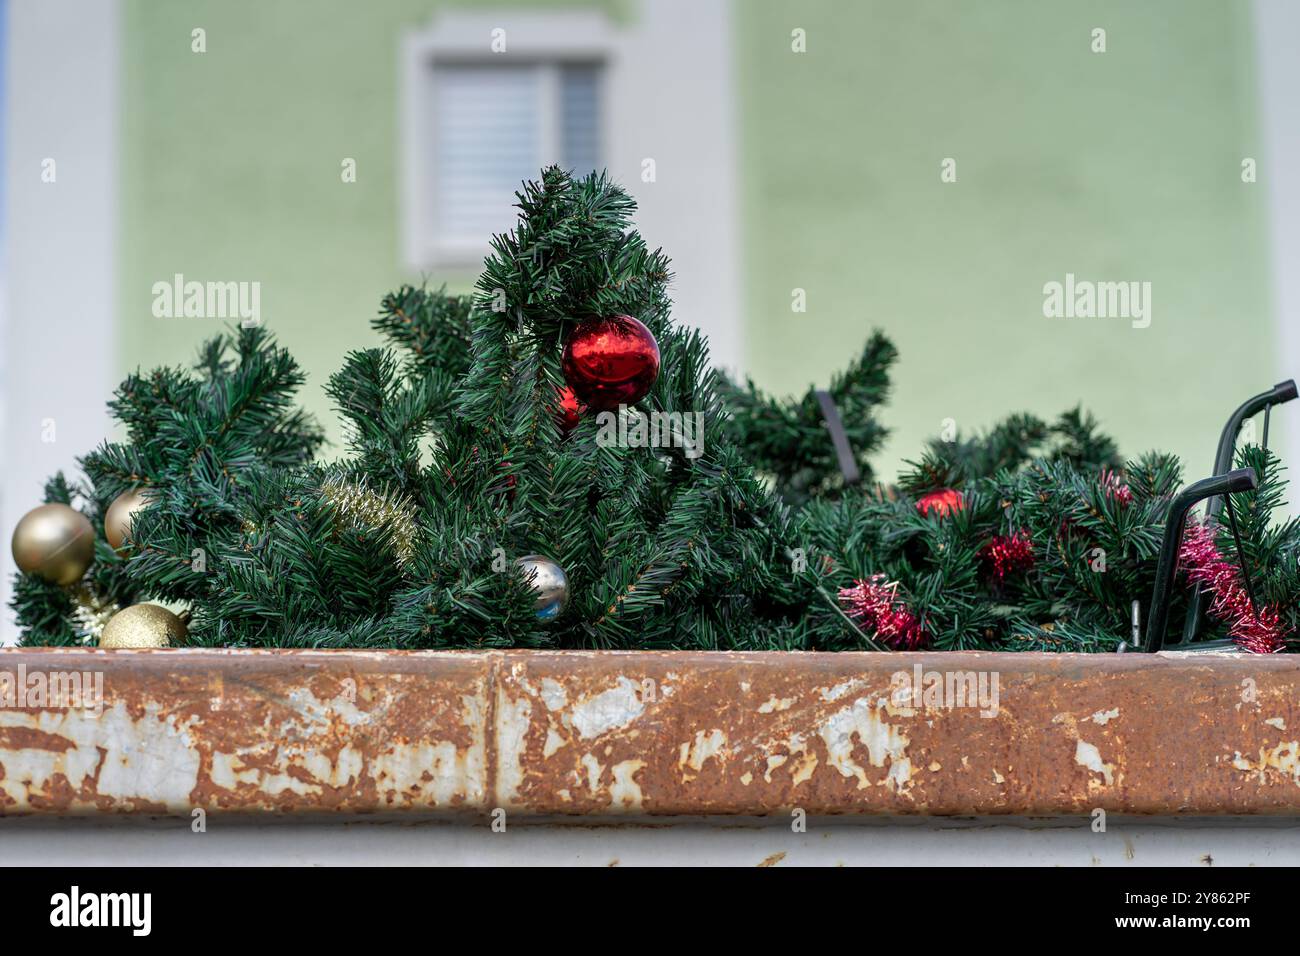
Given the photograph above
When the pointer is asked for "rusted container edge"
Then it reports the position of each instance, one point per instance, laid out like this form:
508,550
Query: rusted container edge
645,734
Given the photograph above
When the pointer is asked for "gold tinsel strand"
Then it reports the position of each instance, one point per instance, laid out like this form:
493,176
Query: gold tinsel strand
371,510
90,613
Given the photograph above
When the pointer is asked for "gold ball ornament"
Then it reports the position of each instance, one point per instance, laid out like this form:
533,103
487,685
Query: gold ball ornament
117,520
143,625
54,542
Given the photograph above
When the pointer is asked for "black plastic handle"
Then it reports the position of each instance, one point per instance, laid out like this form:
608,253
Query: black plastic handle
1243,479
1279,394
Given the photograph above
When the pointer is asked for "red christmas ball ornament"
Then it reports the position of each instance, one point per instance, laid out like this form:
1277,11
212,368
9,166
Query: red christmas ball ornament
568,410
945,501
611,361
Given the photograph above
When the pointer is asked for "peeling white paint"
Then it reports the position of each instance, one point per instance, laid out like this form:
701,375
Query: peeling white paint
804,769
339,772
553,742
885,743
840,690
399,774
226,775
153,757
1283,759
694,753
233,770
609,710
625,792
899,777
1104,717
553,694
1277,722
1087,755
775,704
512,720
429,773
594,772
317,714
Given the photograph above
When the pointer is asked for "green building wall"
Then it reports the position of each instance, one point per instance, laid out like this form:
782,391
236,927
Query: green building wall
1123,165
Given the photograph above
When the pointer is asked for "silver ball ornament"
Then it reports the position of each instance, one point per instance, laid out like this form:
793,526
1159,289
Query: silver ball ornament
549,582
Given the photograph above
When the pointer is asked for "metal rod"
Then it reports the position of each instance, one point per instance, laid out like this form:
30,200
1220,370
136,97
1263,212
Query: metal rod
1241,556
1243,479
839,438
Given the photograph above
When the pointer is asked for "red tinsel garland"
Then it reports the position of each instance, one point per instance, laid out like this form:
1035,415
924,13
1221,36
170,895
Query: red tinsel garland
1009,554
1115,489
1262,632
877,605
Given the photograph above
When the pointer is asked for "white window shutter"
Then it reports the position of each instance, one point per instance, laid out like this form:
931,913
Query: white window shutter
580,118
487,140
493,127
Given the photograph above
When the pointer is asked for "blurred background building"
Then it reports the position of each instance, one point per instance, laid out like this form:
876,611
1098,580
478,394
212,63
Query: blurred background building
923,167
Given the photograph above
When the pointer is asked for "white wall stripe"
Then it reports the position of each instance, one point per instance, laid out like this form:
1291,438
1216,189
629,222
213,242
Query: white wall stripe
1277,26
58,309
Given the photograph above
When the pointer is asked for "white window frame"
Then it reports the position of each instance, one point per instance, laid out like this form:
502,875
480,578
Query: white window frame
545,40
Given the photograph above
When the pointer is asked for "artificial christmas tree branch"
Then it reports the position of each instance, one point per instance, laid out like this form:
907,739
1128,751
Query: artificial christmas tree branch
557,421
787,439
